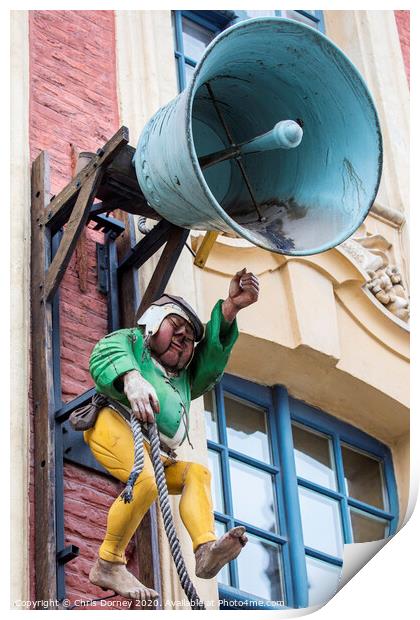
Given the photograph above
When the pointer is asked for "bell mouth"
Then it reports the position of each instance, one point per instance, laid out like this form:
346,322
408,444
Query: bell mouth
300,201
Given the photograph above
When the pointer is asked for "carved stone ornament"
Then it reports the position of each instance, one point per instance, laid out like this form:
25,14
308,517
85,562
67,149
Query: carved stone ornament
371,252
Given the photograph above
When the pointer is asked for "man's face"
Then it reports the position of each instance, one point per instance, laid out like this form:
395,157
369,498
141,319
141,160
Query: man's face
173,344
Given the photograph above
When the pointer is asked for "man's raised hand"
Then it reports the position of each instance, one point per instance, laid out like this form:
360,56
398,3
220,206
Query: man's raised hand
243,291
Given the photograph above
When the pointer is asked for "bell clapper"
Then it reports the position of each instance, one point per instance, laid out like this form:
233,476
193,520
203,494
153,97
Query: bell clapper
285,134
233,146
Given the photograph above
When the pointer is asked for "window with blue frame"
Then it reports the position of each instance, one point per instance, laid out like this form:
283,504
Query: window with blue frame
302,483
193,31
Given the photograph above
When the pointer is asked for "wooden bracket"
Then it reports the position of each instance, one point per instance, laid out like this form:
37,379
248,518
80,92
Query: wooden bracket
164,268
60,206
75,225
73,205
110,177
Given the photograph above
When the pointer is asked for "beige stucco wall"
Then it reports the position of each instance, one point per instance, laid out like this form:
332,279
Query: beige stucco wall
19,297
316,328
370,39
400,449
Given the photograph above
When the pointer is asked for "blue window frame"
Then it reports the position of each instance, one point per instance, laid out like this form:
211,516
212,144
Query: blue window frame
302,482
311,18
193,31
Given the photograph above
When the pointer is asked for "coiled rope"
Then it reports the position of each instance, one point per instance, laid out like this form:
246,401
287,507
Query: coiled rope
165,508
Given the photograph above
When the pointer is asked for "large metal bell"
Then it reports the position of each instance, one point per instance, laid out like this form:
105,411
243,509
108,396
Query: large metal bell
211,159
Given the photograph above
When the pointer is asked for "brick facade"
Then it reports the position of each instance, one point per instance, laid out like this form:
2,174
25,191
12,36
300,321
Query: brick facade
73,108
403,24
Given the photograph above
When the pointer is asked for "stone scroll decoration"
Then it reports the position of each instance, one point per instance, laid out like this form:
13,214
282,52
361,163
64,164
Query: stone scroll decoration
372,253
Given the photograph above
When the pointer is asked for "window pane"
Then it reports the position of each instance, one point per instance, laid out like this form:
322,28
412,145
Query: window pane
260,569
260,14
313,457
323,580
223,575
363,477
366,527
321,522
302,18
196,38
216,481
253,496
210,414
246,428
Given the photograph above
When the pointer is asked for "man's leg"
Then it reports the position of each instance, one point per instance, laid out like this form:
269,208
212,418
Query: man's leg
192,482
111,441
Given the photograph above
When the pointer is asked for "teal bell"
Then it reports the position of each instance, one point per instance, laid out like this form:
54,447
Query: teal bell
276,138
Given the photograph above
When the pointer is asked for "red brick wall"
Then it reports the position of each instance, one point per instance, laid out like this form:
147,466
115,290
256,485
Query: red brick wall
73,107
403,24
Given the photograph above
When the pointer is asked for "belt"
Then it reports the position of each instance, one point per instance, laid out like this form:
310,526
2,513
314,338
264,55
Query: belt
120,408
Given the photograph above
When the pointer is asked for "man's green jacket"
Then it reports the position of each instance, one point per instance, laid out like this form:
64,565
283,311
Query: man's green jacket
123,350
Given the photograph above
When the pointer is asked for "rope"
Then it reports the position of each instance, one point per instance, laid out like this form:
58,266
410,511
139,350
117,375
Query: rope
165,508
127,494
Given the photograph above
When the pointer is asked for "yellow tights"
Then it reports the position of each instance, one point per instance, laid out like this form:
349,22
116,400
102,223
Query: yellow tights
112,444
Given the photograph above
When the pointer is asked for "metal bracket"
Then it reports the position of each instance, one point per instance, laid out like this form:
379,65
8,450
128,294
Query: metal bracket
106,223
74,448
76,451
102,263
67,554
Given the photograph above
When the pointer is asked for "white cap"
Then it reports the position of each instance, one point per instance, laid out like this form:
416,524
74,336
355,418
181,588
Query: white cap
152,318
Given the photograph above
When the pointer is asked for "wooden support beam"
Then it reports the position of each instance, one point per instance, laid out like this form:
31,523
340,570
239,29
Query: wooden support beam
205,248
125,204
127,278
164,268
147,545
75,225
121,173
42,389
146,247
60,207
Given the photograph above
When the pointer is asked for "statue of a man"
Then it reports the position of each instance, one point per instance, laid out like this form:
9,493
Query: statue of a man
157,370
